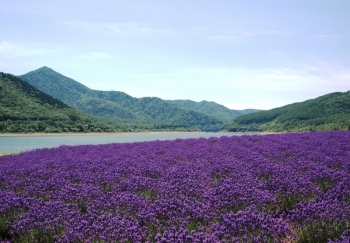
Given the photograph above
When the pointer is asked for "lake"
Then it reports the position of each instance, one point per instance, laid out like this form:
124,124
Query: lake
21,143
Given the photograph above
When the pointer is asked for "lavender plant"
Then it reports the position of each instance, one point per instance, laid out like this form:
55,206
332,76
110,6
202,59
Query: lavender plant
271,188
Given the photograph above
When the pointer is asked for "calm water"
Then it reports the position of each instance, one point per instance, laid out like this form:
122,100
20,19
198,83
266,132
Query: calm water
12,144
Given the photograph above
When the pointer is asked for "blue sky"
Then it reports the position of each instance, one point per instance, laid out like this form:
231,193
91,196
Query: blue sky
242,54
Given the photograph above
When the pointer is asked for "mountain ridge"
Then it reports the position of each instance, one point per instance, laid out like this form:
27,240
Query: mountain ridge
212,108
25,109
117,106
327,112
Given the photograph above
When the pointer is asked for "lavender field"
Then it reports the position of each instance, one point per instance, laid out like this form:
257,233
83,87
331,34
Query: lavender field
271,188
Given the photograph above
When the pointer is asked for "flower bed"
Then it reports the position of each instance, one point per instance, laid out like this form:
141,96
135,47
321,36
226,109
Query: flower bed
270,188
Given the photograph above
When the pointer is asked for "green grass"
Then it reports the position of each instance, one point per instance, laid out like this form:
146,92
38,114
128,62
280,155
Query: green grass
321,232
6,153
148,194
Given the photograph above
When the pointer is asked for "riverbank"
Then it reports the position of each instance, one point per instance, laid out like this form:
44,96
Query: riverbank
5,153
88,134
10,143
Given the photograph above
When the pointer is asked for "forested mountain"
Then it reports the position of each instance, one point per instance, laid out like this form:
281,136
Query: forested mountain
328,112
23,108
117,106
213,109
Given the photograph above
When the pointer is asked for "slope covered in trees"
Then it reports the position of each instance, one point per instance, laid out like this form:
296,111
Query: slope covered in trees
23,108
328,112
118,106
213,109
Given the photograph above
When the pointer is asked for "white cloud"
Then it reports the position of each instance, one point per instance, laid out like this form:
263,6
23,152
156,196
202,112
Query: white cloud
95,56
316,78
233,39
14,50
326,36
10,49
7,48
238,36
121,29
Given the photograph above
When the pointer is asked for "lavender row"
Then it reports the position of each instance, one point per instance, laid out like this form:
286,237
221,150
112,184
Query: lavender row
271,188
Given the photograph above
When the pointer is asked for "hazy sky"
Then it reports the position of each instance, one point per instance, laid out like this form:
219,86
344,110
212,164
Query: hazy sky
242,54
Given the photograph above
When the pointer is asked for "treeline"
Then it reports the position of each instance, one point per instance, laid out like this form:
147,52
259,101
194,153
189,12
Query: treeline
158,128
24,109
51,126
68,126
328,112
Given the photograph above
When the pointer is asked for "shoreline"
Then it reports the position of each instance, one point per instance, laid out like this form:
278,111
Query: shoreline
85,134
119,133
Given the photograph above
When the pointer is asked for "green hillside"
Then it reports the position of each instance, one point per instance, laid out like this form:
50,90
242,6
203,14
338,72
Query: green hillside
25,109
213,109
328,112
118,106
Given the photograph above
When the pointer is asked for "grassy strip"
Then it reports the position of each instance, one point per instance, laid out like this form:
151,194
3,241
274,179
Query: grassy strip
5,153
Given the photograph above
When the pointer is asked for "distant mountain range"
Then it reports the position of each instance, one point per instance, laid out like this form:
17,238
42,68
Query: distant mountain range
328,112
25,109
120,107
211,108
46,101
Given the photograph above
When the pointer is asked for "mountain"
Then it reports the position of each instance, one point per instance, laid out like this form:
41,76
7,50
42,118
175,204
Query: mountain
213,109
118,106
23,109
328,112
